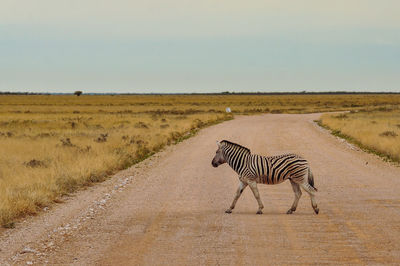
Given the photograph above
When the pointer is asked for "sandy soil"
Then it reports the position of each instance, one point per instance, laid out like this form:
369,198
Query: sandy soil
170,208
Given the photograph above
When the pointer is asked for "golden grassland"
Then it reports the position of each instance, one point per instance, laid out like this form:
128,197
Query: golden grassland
51,145
200,103
374,130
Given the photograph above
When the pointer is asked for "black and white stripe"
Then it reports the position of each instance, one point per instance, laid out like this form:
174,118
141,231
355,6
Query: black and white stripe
265,169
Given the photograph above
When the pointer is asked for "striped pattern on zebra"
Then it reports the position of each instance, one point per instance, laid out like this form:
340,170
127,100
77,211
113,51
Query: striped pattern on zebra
253,169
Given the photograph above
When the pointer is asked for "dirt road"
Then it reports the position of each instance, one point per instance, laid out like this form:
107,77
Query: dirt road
170,209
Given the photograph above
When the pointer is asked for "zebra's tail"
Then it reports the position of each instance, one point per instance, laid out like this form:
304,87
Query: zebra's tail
311,179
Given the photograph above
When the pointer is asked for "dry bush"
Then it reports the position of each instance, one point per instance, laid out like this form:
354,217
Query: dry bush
66,142
388,134
101,138
35,163
141,124
9,134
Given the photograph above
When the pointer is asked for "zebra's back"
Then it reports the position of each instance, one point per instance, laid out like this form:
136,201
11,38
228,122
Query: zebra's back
276,169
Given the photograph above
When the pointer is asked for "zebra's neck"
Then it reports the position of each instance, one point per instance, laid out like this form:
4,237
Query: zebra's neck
236,156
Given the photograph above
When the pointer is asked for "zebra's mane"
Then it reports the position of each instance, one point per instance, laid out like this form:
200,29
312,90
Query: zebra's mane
237,145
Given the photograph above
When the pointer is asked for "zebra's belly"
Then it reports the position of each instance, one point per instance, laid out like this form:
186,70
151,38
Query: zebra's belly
269,180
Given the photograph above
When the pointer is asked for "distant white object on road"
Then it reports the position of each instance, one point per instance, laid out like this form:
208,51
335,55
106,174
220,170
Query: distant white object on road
228,109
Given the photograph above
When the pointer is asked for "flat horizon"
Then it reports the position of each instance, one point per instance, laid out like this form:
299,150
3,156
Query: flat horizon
201,93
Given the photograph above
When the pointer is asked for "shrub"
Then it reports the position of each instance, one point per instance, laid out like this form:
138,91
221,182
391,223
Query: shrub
101,138
388,134
141,125
35,163
66,142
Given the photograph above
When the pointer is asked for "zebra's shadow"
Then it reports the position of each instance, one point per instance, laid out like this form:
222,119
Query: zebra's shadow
269,213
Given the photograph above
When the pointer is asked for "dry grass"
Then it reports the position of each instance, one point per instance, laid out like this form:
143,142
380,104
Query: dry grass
52,145
240,104
375,130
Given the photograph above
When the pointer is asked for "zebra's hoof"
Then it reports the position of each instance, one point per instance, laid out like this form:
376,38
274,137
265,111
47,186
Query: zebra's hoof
259,212
290,211
316,210
228,211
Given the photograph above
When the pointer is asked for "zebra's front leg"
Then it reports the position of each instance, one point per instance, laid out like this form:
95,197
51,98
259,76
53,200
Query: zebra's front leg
253,186
239,191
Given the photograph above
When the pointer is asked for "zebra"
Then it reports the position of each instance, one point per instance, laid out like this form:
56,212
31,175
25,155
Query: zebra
253,169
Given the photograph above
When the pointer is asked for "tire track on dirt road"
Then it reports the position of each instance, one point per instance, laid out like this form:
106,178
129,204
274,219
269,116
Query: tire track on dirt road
172,209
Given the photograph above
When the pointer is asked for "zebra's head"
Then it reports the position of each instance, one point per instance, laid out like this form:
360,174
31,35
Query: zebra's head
219,156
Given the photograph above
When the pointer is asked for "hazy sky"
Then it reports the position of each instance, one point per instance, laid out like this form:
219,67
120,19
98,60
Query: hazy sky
199,46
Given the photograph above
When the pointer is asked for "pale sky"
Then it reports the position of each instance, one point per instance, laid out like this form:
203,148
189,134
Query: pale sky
199,46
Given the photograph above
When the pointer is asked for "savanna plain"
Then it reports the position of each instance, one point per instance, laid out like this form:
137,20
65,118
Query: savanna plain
52,145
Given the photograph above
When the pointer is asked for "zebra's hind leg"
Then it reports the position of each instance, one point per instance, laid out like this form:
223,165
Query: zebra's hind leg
297,195
311,191
239,191
253,186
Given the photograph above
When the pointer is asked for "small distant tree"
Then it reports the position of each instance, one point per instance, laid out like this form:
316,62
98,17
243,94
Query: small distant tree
78,93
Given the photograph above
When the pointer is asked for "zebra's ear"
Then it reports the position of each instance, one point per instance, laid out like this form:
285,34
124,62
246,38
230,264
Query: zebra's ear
218,144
